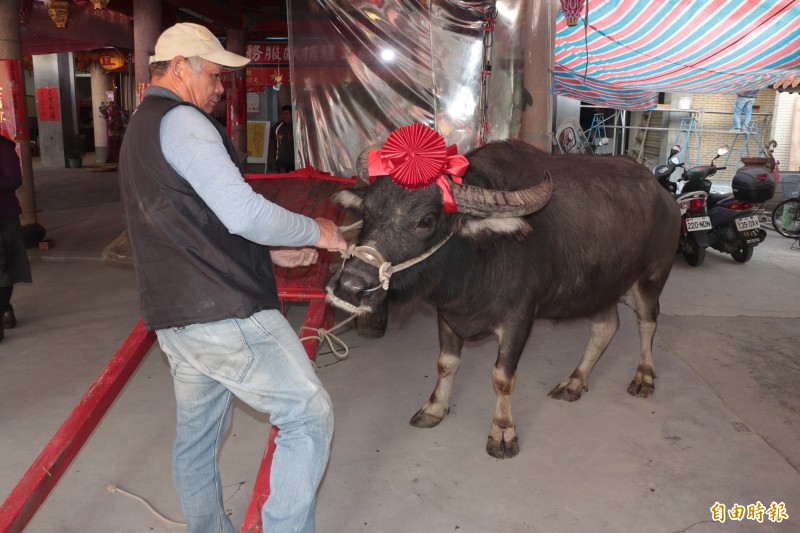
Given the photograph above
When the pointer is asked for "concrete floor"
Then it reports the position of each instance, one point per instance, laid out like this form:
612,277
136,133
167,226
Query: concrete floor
723,425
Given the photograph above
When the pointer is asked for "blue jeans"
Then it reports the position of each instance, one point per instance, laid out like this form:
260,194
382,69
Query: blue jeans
260,360
746,105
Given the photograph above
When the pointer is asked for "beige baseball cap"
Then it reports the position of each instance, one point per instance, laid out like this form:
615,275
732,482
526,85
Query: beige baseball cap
189,40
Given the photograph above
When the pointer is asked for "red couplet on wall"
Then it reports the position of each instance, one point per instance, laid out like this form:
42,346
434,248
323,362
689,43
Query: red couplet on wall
13,119
47,104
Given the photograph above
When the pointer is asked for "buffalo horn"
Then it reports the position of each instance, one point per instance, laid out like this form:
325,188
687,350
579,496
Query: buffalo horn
481,202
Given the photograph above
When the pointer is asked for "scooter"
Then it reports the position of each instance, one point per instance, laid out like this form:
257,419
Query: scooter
695,222
736,229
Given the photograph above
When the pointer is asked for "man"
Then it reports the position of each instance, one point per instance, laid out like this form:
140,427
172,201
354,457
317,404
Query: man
744,103
199,236
281,143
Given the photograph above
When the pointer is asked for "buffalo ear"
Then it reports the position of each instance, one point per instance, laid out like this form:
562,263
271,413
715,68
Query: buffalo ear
352,199
479,229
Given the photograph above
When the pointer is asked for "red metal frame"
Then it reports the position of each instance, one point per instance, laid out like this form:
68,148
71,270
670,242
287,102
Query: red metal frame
307,172
252,518
34,487
47,469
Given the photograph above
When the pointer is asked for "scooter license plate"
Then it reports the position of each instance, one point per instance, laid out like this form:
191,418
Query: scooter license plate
746,223
698,224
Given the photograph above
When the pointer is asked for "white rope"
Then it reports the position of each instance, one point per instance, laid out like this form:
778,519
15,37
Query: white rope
113,488
371,256
354,225
323,334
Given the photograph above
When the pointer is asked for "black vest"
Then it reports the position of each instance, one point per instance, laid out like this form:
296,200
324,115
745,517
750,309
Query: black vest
189,268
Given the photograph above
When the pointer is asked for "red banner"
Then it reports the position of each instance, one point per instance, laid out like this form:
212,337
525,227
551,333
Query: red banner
47,104
13,119
259,78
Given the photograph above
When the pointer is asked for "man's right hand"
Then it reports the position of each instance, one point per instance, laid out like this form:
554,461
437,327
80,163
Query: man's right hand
330,236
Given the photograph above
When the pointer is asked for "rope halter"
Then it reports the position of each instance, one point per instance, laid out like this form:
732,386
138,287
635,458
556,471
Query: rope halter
373,257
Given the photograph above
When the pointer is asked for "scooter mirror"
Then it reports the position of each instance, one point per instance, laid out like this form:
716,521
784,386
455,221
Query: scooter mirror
674,160
723,150
675,149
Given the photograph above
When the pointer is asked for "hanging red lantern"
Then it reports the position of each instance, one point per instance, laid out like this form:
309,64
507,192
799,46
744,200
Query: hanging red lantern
573,9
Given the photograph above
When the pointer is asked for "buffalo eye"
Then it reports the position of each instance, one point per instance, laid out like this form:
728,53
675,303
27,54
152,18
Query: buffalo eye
427,221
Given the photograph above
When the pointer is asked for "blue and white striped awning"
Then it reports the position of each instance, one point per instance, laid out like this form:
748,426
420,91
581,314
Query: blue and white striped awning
638,48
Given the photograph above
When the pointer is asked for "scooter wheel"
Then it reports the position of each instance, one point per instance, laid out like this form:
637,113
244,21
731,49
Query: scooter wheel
696,256
743,253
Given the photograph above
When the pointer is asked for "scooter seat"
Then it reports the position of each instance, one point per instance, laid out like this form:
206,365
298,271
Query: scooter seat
715,198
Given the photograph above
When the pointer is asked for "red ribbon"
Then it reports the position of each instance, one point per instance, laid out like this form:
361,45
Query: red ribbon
416,157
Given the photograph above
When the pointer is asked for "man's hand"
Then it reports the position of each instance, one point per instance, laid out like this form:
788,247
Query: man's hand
330,236
293,257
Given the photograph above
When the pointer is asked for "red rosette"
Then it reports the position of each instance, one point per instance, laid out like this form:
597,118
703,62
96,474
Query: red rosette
416,156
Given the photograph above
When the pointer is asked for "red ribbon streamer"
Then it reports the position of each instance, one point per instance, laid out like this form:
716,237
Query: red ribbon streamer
415,157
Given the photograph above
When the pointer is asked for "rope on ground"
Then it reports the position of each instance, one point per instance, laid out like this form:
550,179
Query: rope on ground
113,488
323,334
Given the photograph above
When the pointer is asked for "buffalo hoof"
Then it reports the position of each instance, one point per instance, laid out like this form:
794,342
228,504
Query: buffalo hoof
421,419
641,390
502,449
563,393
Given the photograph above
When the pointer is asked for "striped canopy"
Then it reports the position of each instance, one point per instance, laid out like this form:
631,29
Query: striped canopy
638,48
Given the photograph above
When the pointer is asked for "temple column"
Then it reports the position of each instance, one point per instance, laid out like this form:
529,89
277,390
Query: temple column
100,85
56,71
539,38
147,28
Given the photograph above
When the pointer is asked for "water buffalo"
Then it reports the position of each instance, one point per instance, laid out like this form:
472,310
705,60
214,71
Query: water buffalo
570,246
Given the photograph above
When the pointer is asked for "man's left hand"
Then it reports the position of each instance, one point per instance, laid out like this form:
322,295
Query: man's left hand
293,257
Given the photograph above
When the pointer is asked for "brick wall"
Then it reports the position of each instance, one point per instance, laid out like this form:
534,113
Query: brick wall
714,116
716,121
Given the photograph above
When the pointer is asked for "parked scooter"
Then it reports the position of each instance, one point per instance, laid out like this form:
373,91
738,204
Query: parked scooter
736,229
695,222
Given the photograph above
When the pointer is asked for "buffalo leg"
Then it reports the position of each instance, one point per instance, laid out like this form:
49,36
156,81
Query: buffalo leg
438,405
603,327
645,294
502,442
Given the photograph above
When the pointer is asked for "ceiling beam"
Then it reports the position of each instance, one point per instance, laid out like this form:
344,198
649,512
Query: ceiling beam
225,15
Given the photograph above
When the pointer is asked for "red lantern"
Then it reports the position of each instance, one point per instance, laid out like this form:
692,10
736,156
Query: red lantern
573,9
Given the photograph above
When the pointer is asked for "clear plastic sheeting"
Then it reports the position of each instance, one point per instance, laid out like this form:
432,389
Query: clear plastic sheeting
361,69
507,96
457,43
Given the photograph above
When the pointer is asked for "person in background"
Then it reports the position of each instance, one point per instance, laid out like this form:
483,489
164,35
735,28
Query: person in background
281,143
201,243
14,265
744,103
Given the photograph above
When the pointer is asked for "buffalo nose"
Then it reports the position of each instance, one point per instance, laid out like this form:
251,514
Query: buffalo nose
351,284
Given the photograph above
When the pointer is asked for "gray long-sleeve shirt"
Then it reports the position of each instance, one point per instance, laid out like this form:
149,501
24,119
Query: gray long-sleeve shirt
194,148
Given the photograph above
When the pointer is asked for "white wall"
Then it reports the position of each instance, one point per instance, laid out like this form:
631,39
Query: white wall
782,124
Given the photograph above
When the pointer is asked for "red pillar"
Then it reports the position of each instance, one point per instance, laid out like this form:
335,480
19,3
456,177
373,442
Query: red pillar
237,96
11,49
